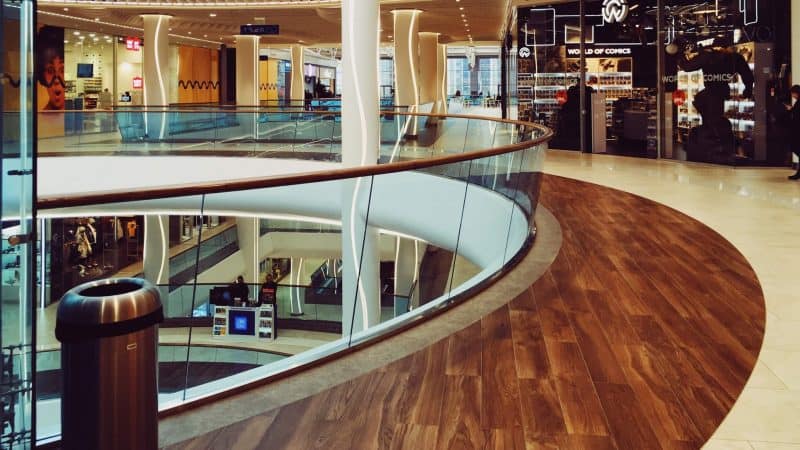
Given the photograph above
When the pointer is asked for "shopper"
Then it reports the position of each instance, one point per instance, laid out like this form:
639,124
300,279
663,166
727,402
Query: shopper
269,296
240,290
794,126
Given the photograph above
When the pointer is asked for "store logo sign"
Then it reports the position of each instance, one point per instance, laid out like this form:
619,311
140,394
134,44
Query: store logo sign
138,83
524,52
133,44
615,11
602,51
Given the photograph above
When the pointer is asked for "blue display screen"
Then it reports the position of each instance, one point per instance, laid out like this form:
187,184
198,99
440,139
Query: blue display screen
85,70
242,322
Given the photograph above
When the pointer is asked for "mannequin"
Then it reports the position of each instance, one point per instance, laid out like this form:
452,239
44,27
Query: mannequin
83,247
91,236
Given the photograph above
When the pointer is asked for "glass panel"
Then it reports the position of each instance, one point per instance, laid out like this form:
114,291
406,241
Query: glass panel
19,255
292,280
287,246
726,94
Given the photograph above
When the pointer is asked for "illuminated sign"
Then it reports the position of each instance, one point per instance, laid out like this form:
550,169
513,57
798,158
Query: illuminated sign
260,30
133,44
615,11
138,83
601,51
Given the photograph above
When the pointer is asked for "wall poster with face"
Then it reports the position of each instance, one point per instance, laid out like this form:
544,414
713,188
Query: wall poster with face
50,77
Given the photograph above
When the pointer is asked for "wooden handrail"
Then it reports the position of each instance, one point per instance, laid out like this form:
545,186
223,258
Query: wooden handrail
199,109
119,196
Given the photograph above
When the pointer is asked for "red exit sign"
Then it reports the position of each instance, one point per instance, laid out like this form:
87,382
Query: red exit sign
133,44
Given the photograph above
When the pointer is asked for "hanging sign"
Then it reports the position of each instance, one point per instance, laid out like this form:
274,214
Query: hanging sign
260,30
615,11
679,97
133,44
561,96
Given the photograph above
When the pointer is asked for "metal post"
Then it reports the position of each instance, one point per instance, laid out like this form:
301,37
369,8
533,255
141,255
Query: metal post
504,77
582,76
660,106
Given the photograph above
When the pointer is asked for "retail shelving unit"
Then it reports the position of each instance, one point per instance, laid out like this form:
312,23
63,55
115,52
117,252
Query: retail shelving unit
545,86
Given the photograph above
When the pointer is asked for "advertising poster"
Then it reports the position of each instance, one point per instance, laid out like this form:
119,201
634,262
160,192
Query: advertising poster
50,80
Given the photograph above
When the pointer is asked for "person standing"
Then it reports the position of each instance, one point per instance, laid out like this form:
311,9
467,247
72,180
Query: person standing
240,291
269,296
794,126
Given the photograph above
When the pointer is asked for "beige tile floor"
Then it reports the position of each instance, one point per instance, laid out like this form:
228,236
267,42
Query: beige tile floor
758,211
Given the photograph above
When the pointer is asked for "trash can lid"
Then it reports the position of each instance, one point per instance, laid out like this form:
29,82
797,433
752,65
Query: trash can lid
109,307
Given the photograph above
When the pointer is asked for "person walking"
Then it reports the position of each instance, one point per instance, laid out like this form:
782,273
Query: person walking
794,126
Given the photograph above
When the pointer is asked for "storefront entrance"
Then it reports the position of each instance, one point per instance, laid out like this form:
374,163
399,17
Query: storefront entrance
704,81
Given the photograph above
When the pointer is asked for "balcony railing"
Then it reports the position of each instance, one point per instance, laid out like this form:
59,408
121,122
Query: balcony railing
458,199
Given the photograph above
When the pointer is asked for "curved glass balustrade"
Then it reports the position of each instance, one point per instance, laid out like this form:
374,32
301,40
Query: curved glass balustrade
279,132
359,253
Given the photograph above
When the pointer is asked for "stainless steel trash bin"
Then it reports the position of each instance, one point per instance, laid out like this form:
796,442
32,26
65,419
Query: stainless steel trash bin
108,331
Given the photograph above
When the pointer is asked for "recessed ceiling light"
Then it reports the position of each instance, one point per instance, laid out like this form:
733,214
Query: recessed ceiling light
66,9
461,8
76,33
96,39
66,41
212,14
97,19
205,35
190,32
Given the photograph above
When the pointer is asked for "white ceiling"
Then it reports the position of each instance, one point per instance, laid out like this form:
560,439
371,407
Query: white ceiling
311,22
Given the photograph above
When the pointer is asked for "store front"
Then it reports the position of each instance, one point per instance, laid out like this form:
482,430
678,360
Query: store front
702,81
89,71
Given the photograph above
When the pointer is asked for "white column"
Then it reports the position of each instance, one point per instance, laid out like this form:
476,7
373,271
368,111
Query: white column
248,233
428,67
156,260
155,67
247,70
298,92
360,144
296,294
406,61
406,265
247,82
441,79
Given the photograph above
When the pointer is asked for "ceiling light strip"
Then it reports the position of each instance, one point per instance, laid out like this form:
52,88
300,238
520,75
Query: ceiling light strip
126,27
195,5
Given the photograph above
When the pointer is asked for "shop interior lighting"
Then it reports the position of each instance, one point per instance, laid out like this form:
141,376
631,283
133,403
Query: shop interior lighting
200,4
126,27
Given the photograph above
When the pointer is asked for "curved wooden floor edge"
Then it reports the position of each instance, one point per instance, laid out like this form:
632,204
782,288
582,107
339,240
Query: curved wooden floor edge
243,406
640,335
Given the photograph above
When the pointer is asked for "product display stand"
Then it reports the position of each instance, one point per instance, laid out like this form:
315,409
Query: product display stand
238,322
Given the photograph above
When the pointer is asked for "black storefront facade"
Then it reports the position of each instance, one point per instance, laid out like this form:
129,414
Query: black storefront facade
704,81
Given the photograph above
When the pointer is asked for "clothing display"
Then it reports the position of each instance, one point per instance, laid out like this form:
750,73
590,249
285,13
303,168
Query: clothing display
82,243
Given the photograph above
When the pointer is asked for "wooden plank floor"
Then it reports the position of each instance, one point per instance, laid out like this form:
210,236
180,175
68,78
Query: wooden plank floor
641,335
